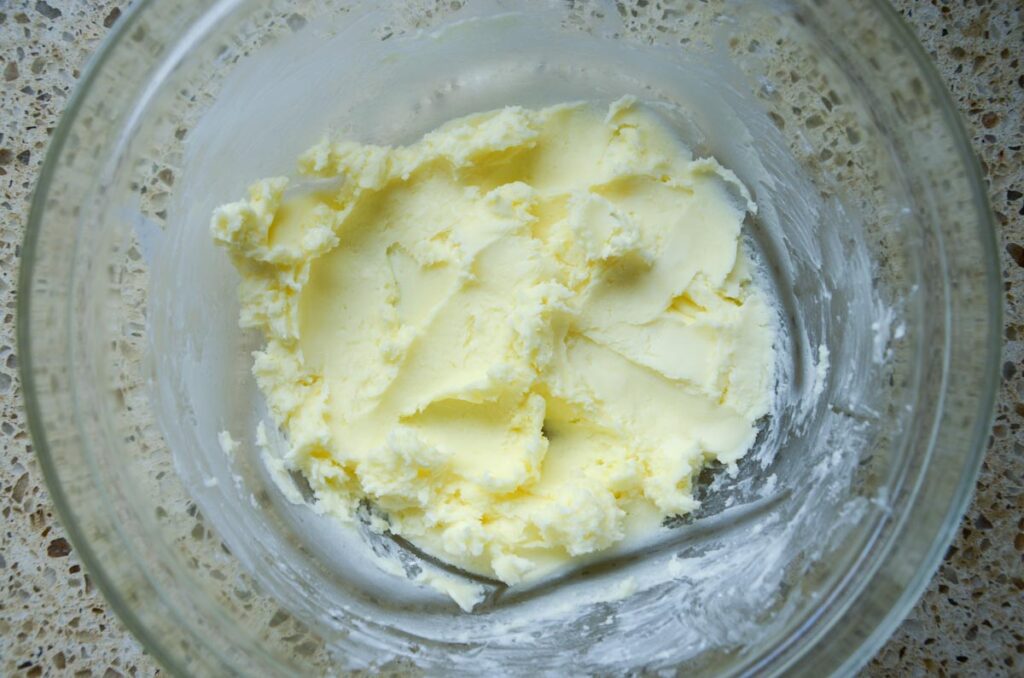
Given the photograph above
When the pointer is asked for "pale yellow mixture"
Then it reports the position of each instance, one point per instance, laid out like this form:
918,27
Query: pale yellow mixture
520,337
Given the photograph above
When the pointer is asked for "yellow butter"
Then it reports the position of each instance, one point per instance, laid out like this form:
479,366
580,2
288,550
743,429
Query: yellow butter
520,337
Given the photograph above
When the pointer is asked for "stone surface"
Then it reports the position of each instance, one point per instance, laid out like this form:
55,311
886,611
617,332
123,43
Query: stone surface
970,621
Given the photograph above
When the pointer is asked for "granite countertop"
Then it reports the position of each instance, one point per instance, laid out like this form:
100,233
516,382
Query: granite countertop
970,621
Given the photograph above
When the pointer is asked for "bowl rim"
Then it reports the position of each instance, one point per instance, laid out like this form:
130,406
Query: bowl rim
983,417
986,407
33,410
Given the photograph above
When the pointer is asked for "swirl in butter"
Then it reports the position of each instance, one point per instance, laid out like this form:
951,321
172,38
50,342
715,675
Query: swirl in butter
520,338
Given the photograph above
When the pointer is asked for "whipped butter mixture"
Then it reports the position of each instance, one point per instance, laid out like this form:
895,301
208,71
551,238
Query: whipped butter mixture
519,338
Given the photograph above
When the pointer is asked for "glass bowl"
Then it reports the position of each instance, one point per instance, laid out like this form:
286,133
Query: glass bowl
873,235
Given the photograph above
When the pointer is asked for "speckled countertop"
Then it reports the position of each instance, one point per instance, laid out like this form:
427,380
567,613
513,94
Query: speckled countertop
970,621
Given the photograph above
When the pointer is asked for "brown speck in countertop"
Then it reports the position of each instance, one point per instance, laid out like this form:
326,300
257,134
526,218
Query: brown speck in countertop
58,548
112,17
1017,252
